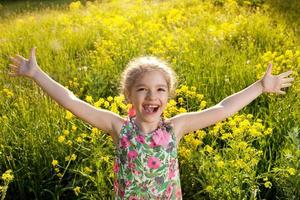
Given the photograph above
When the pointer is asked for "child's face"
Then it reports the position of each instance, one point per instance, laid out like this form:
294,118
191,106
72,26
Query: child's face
149,95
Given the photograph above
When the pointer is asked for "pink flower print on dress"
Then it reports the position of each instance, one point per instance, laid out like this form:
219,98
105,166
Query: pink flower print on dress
161,137
136,172
132,155
169,191
128,183
133,198
153,162
116,167
116,185
153,144
153,190
140,139
171,174
178,193
131,165
125,142
122,193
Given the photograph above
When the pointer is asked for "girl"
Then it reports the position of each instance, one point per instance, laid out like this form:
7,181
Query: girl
146,165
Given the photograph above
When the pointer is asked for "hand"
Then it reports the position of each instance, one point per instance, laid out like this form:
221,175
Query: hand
275,83
22,66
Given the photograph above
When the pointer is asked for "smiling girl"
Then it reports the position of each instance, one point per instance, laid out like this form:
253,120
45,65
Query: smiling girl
146,165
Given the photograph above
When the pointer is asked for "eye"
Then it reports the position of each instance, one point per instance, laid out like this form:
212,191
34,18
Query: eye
161,89
141,89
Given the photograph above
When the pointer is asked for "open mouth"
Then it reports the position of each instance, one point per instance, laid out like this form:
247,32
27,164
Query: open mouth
148,108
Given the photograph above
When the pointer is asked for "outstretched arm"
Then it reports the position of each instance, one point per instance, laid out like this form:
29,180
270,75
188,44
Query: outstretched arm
187,122
102,119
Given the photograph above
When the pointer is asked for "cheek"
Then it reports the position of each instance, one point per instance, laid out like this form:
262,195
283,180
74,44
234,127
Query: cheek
164,98
138,98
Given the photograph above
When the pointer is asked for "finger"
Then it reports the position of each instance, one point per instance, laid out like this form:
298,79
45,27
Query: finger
285,74
269,70
12,74
32,53
13,67
285,85
20,58
287,80
281,92
14,60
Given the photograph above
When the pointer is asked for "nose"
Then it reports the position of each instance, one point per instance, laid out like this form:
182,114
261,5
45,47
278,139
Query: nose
150,95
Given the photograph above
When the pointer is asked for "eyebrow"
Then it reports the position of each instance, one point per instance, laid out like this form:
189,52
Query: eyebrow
143,85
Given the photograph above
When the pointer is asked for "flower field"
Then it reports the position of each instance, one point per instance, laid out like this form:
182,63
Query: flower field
216,47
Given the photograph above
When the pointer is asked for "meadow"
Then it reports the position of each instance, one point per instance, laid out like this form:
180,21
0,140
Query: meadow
217,47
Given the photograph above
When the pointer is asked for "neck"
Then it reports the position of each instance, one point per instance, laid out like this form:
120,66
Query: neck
147,126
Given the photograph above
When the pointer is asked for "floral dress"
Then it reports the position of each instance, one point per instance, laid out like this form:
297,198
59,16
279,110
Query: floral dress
146,165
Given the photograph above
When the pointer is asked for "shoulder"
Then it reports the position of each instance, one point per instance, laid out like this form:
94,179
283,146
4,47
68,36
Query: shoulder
117,127
175,128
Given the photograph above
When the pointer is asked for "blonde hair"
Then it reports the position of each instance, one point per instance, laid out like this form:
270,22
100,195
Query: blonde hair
139,66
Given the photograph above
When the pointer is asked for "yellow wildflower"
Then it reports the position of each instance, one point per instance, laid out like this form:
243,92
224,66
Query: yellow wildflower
105,158
59,175
182,110
69,115
268,184
110,98
184,152
73,156
74,128
77,190
69,142
208,148
89,98
8,93
289,54
209,188
242,145
97,104
249,116
54,163
220,164
254,132
75,5
8,176
200,134
87,170
75,84
106,104
226,136
268,131
95,131
101,101
195,143
67,158
180,100
66,132
291,171
61,138
79,139
184,89
200,97
239,163
203,104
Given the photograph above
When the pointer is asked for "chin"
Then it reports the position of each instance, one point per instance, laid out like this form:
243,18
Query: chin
150,118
